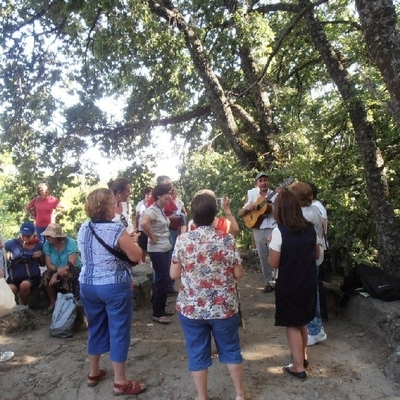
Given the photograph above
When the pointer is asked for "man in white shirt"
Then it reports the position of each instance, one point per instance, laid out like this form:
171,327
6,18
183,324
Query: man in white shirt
264,230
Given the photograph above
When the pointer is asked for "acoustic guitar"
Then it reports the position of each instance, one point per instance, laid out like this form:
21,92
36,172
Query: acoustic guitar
253,218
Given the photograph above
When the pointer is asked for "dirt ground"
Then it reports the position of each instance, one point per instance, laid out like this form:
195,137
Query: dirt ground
348,365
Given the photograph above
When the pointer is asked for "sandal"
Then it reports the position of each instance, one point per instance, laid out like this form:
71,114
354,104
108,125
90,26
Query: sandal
162,320
129,388
48,311
94,380
246,396
169,312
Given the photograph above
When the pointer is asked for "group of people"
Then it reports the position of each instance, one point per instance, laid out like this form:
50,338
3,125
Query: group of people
289,242
42,243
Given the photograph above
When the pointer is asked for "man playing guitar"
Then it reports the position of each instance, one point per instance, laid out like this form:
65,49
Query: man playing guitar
262,231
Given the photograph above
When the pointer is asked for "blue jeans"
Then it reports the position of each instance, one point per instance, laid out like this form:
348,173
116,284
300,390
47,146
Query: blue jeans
39,230
108,310
314,326
198,340
161,281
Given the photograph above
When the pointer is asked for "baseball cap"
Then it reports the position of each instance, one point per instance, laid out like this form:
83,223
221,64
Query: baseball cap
260,174
27,228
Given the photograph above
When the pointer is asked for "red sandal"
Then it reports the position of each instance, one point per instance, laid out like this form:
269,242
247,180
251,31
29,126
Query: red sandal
131,387
94,380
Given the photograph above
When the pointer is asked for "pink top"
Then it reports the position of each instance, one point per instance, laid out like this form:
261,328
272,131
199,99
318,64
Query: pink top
44,210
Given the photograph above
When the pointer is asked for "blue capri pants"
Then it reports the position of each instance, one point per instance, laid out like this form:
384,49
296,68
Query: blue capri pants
198,340
108,311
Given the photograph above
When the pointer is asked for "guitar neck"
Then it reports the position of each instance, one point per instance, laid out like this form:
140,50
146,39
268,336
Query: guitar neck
266,200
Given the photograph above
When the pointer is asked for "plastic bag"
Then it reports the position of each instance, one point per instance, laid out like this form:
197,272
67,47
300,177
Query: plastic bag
64,314
7,298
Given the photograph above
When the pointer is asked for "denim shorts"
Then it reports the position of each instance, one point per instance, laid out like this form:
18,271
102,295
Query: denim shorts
198,341
108,310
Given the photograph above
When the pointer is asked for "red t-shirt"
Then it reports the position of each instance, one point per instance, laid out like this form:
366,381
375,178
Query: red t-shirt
221,225
44,210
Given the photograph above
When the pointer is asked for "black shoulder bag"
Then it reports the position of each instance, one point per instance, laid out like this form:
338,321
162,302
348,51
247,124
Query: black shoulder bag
115,252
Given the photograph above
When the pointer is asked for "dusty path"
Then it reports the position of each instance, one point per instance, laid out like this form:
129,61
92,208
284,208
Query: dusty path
346,366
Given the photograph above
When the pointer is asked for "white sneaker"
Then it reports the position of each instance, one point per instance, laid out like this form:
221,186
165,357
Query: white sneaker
6,355
314,339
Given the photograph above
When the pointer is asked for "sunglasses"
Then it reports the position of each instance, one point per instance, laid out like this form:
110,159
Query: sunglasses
123,220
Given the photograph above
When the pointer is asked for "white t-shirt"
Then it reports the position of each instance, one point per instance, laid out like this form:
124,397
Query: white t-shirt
252,196
313,215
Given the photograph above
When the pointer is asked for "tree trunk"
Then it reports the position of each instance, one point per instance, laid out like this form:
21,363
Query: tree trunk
374,169
219,103
379,23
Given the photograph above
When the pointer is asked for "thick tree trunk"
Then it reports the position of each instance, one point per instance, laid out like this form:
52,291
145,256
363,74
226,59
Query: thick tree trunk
385,220
379,23
219,103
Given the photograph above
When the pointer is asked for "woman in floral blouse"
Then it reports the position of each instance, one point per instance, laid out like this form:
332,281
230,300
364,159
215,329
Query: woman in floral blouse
208,263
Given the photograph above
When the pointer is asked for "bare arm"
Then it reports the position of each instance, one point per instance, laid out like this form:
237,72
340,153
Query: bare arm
175,270
130,247
274,259
233,227
48,263
317,250
238,271
147,230
137,220
61,207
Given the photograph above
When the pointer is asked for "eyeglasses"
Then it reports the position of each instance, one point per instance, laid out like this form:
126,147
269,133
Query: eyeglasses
123,220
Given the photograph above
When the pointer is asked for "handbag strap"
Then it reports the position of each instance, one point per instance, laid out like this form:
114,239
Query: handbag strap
117,253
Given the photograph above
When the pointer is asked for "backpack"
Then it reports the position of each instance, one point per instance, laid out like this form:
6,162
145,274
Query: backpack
378,283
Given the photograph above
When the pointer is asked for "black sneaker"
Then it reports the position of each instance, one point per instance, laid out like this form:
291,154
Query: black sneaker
268,289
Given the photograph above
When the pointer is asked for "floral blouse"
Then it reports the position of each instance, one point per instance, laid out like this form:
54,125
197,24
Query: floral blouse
207,289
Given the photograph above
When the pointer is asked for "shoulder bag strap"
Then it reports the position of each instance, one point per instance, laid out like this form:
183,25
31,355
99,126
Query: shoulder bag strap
117,253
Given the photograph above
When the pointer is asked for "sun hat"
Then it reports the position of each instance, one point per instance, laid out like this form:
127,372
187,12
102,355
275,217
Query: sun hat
54,231
260,174
27,228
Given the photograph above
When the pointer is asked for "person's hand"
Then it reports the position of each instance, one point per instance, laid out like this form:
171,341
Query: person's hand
269,238
135,236
251,207
37,254
54,279
62,271
225,204
1,273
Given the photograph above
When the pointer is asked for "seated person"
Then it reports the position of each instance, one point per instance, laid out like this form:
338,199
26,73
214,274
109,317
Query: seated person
63,265
26,253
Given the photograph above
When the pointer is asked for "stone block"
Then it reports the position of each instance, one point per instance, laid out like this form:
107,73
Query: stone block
143,285
21,318
379,317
